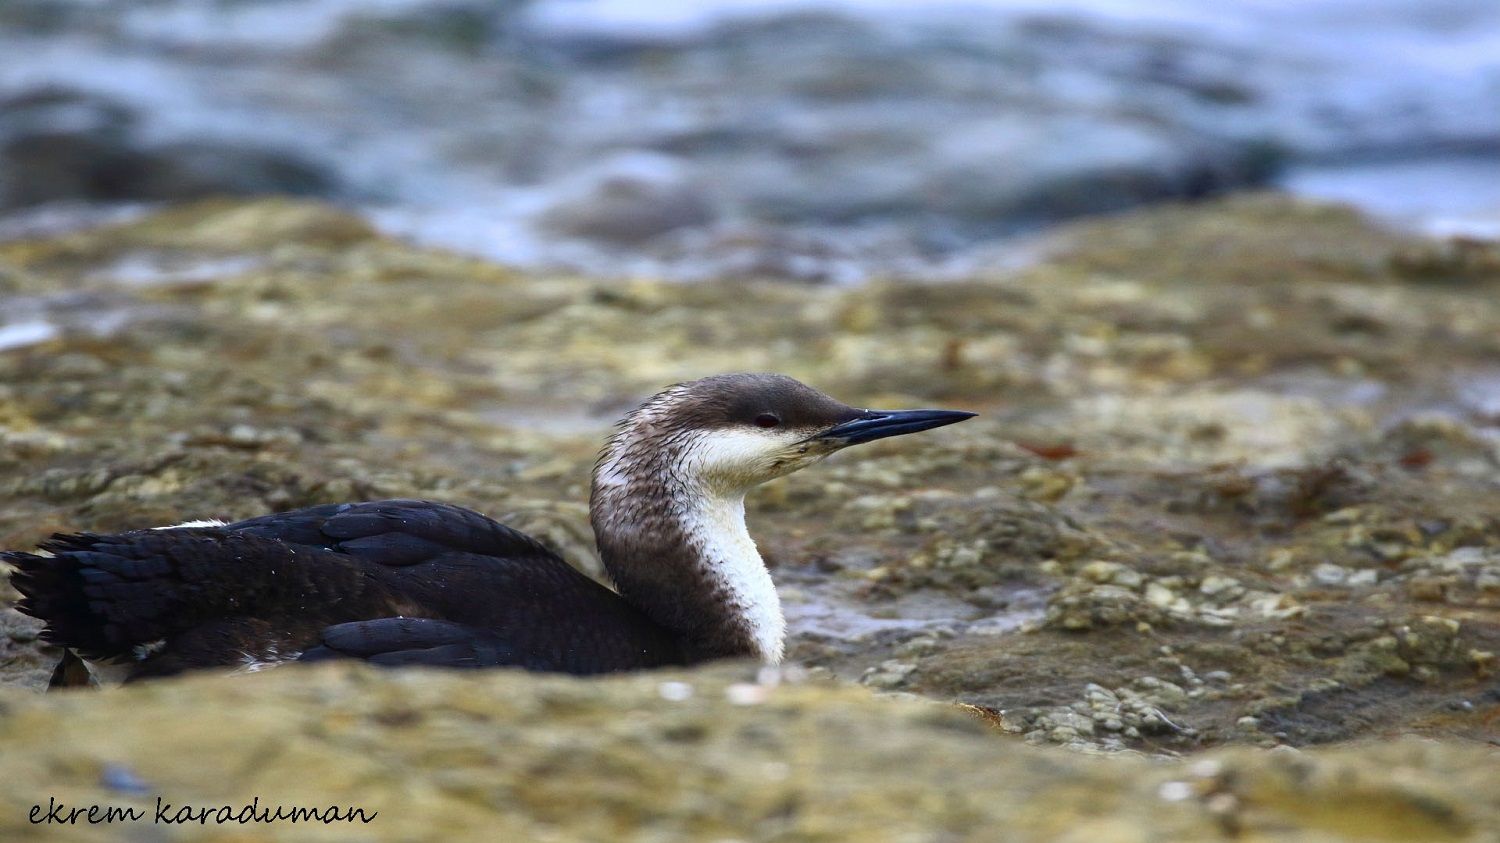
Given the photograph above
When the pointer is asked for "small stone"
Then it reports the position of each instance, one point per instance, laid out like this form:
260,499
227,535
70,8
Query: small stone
1099,695
920,646
1113,573
1176,791
1012,722
1347,515
1488,582
747,693
675,691
1281,560
1159,595
1220,587
122,779
889,674
1440,624
1208,768
1431,589
1062,734
1329,574
1078,723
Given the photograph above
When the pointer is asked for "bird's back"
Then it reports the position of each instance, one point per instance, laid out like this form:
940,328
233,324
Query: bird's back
411,582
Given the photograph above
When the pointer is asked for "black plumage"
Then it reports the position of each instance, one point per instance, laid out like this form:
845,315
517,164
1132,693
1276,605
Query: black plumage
396,582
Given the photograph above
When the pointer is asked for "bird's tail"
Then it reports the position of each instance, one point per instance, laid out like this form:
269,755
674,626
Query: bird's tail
106,596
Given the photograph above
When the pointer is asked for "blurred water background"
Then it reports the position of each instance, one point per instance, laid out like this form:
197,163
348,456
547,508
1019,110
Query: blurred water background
816,142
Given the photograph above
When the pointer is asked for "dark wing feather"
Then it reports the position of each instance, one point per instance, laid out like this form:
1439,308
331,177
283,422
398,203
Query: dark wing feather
271,584
106,595
395,532
414,641
536,613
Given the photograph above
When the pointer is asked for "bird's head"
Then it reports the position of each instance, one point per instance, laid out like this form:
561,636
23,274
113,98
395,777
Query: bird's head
727,433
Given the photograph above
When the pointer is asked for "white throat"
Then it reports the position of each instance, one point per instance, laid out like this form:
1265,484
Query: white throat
715,527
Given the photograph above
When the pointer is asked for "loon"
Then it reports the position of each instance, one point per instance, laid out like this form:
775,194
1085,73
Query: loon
416,582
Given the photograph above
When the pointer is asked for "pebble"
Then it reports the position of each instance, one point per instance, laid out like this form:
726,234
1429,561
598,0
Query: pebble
1113,573
1216,586
1329,574
747,693
675,691
1431,589
891,673
122,779
1159,595
1176,791
919,646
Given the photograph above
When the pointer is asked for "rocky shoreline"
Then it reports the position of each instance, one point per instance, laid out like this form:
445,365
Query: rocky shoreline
1231,497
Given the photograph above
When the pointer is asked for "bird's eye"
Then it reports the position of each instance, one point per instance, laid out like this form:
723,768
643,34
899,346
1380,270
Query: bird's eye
767,420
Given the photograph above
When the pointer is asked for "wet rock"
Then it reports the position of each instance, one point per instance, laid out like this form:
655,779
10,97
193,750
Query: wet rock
58,144
1432,643
628,200
974,544
63,145
190,169
1330,574
229,358
761,251
888,674
1103,719
1113,573
1081,607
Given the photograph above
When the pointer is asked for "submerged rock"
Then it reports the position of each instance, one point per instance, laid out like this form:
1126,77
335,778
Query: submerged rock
58,144
627,200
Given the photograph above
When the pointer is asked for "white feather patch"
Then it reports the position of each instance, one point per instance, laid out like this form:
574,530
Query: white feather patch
717,529
272,657
202,522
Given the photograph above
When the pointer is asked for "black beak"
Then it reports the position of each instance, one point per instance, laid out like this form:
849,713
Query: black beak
878,424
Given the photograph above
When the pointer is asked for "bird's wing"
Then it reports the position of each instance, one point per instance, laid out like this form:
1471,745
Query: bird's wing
394,642
322,577
106,595
395,532
480,611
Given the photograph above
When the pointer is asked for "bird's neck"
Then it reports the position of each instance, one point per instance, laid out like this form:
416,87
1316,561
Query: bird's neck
682,554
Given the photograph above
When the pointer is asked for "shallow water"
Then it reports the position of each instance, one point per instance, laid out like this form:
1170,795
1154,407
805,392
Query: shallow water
505,138
1442,196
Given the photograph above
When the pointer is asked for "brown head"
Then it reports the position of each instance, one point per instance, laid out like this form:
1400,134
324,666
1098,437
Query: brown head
668,498
727,433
